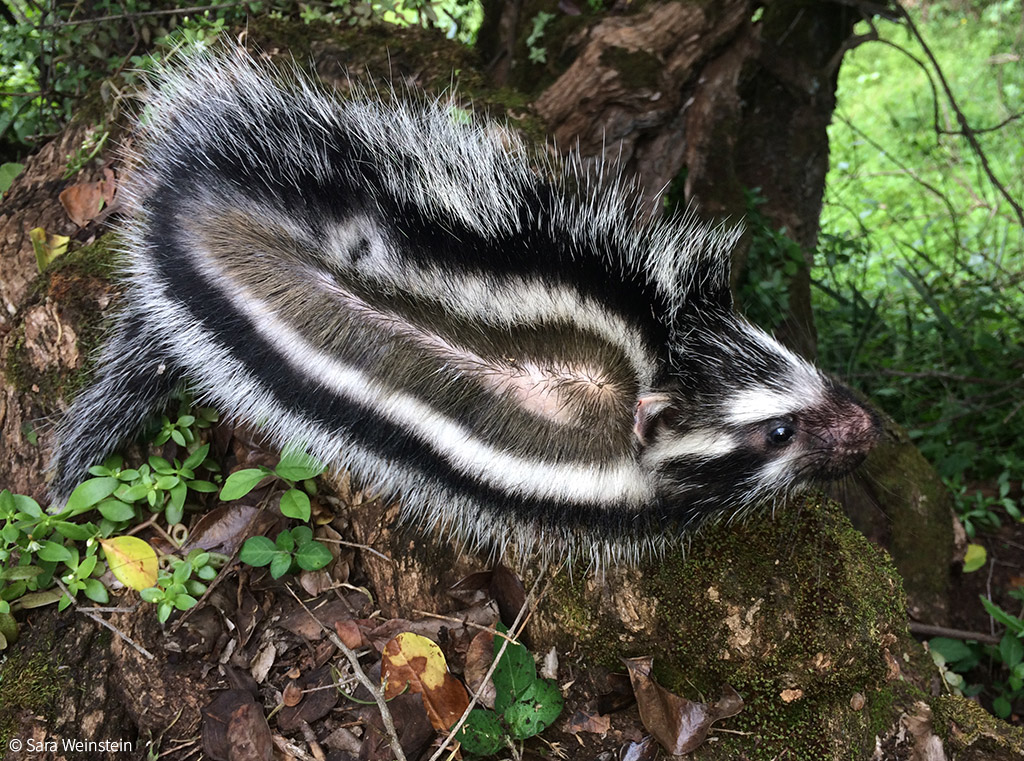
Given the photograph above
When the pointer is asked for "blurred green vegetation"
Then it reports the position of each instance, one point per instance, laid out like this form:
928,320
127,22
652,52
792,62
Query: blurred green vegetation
921,259
55,53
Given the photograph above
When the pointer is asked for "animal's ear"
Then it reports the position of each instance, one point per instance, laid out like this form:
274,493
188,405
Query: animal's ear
649,408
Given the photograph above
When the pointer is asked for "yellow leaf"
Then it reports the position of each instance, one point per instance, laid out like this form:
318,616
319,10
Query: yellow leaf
132,561
47,248
415,662
975,557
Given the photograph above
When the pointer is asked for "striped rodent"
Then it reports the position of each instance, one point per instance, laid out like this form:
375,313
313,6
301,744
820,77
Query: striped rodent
519,356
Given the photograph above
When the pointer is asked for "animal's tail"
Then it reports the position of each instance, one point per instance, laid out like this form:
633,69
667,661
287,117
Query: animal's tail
135,376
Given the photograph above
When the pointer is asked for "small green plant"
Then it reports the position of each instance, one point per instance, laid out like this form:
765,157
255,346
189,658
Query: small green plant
296,468
980,512
956,659
180,586
293,549
538,53
524,704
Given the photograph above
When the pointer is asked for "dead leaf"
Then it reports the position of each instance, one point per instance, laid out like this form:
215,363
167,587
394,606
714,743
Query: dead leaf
415,662
508,591
585,721
479,657
291,695
680,725
644,750
223,529
317,698
351,634
83,201
234,728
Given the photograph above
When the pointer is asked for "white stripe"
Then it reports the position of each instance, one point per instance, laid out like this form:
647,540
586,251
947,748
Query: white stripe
613,483
703,443
760,404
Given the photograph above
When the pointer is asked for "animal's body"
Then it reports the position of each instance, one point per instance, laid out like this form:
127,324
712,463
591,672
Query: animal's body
521,358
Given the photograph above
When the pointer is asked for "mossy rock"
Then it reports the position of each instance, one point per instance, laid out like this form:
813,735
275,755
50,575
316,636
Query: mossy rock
798,613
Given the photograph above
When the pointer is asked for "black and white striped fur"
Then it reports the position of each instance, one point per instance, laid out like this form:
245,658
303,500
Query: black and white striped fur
522,359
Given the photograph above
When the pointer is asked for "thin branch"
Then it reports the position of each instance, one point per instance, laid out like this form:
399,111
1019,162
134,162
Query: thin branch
375,691
87,612
142,14
929,630
965,127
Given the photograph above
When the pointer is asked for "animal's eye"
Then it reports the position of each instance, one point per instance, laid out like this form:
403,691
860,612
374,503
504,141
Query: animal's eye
780,432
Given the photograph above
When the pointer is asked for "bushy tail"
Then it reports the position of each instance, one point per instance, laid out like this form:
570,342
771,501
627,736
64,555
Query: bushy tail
135,376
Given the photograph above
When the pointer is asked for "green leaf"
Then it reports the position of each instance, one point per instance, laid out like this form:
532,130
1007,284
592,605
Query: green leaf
313,556
527,718
175,511
241,482
1012,623
258,551
295,504
135,492
182,572
28,506
54,552
481,734
74,531
280,565
296,465
151,594
952,650
515,675
195,459
1011,649
975,557
95,591
20,572
167,482
87,566
7,507
285,541
302,535
88,493
8,172
184,602
204,487
1002,708
116,510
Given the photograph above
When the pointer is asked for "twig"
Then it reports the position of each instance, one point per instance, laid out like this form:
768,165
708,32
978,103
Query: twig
930,630
141,14
87,612
531,601
357,670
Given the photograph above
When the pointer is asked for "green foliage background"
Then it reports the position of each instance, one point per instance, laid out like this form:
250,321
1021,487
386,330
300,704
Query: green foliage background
920,297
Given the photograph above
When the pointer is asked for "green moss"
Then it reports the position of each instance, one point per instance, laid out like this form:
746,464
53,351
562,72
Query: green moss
639,70
968,729
27,683
74,283
794,612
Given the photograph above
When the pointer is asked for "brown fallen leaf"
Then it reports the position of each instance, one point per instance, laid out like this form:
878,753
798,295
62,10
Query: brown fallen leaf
585,721
479,657
415,662
680,725
83,201
235,728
